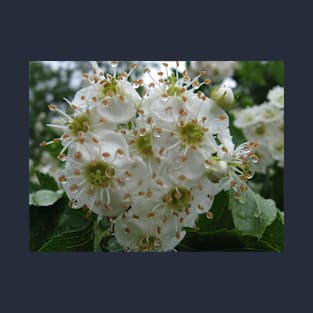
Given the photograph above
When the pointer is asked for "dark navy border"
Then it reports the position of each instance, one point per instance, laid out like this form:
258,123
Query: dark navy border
223,282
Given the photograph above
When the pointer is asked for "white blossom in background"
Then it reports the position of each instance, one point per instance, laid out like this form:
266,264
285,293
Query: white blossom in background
264,124
216,70
152,163
276,96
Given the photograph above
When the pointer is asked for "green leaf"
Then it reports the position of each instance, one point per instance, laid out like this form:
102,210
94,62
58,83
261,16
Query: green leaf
50,221
77,240
46,181
252,213
274,233
43,221
44,197
223,240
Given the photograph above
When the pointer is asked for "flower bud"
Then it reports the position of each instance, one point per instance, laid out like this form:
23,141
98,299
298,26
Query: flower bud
223,96
216,171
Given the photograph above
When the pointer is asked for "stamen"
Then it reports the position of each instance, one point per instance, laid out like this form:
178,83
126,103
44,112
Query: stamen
209,215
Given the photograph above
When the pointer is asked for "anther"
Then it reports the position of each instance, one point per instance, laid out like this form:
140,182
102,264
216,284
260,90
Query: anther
209,215
237,195
77,155
126,196
157,160
200,207
62,179
184,98
181,177
164,219
73,187
178,195
159,182
149,194
76,172
120,151
95,140
52,107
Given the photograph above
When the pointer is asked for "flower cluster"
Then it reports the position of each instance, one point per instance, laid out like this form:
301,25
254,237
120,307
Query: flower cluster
152,161
265,124
216,70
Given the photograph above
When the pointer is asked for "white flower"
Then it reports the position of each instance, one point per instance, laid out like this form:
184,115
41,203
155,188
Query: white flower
223,96
140,231
83,126
101,176
269,113
239,165
246,117
276,96
277,151
114,96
